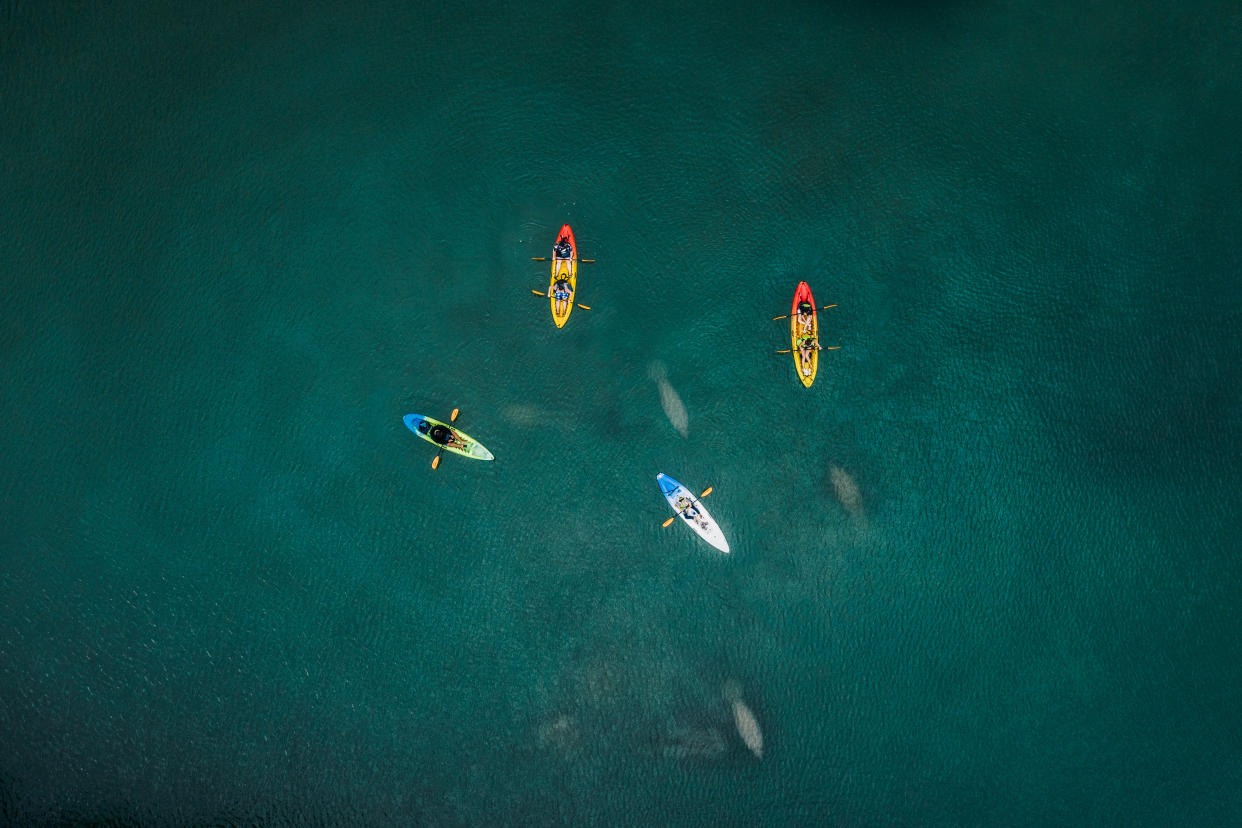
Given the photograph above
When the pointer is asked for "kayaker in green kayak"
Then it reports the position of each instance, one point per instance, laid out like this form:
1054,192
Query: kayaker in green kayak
442,435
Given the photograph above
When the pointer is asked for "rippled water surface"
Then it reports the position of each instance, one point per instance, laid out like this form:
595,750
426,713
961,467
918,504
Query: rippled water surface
984,571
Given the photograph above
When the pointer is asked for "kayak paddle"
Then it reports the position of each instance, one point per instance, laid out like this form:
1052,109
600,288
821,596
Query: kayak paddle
436,461
786,316
706,492
545,295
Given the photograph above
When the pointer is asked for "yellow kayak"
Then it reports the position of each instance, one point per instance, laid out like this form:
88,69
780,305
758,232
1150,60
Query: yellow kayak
802,297
564,270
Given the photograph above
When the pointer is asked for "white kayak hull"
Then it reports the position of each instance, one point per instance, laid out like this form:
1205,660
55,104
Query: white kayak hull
703,525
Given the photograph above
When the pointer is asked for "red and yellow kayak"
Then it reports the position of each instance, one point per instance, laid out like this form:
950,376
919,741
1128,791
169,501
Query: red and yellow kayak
797,332
564,269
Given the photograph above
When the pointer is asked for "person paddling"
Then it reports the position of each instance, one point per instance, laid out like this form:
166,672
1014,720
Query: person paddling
688,510
806,345
562,251
806,316
562,291
442,434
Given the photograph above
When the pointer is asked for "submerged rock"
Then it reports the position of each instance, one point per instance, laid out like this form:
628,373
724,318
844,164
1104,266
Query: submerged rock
847,492
673,407
559,733
745,721
525,415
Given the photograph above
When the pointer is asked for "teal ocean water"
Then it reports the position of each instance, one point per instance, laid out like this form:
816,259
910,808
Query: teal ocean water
984,572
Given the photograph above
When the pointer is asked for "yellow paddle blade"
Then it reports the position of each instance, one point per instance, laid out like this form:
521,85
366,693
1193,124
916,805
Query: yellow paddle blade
669,522
453,416
833,348
584,307
538,292
436,461
706,492
775,318
826,307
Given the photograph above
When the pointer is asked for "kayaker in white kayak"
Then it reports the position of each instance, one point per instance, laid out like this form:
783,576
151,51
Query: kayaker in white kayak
806,345
688,510
563,292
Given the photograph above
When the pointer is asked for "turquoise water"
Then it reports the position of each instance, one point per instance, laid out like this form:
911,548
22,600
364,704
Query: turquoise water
238,244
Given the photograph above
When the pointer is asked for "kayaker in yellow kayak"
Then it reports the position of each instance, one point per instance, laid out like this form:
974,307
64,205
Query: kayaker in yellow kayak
563,251
806,345
563,291
806,316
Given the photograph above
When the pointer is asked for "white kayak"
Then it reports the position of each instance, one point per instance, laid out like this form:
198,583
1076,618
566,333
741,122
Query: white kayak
696,517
